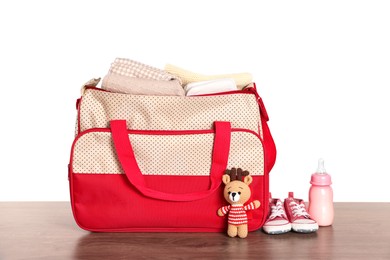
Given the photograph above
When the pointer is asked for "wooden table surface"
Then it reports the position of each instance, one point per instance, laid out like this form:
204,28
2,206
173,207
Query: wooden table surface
46,230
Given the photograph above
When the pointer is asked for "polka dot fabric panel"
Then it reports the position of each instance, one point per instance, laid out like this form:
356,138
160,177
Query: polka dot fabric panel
98,107
166,154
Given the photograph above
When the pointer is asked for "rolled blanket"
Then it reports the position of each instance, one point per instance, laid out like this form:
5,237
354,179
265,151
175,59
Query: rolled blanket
141,86
241,79
210,87
130,68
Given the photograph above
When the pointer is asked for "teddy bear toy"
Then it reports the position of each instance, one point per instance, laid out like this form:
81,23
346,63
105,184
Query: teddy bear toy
237,193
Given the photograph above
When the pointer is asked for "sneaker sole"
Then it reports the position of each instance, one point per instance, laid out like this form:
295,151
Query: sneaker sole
276,230
304,228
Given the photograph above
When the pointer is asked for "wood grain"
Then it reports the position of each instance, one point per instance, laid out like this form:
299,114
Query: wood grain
46,230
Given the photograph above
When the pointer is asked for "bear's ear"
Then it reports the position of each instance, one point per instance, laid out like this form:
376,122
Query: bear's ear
225,179
248,179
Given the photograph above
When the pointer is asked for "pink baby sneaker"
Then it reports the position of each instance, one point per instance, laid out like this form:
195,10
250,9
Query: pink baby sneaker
296,213
277,222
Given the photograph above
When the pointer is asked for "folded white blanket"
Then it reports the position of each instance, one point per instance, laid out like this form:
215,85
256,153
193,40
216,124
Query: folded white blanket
210,87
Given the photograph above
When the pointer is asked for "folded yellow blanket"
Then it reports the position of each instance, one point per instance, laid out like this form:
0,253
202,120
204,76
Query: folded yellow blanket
241,79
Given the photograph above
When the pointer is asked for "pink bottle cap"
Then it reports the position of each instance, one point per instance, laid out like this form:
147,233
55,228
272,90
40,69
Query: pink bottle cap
321,178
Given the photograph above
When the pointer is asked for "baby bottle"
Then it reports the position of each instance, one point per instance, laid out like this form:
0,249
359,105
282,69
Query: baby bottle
321,196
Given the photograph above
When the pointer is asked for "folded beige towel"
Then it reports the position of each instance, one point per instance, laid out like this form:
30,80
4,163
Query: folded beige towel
241,79
131,68
141,86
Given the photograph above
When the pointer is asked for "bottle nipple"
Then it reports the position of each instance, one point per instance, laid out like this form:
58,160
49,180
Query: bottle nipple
321,177
321,167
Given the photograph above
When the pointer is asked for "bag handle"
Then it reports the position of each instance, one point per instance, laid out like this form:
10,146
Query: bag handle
129,164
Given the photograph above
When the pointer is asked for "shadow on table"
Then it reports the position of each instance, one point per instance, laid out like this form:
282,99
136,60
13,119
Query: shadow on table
202,245
161,245
318,245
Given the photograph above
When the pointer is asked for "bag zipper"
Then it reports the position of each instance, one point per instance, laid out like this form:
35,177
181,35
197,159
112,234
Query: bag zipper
168,132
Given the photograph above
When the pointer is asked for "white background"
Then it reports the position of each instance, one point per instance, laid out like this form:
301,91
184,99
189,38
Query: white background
322,68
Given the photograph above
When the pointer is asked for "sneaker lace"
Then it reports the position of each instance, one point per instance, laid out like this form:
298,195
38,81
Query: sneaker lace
299,210
277,211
